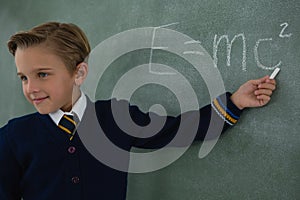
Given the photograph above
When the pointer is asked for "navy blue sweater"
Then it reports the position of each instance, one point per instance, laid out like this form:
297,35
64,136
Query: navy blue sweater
38,162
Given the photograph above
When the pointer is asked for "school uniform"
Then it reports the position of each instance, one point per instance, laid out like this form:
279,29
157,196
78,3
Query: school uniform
39,162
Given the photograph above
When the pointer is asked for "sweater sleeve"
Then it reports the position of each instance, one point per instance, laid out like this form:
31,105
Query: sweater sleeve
10,170
206,123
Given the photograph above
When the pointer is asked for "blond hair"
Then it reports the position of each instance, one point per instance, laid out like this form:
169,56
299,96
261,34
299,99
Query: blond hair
66,40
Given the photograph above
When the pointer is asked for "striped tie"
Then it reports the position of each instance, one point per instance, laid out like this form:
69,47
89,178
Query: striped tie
68,125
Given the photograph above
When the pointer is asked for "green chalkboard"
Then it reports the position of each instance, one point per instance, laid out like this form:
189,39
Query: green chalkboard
236,40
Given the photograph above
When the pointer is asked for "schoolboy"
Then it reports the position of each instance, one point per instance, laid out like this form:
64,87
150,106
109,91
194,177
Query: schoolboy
41,159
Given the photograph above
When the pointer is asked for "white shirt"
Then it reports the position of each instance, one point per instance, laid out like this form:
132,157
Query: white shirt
78,109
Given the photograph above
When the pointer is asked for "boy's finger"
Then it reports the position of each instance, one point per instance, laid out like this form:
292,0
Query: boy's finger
271,81
263,92
261,80
267,86
264,99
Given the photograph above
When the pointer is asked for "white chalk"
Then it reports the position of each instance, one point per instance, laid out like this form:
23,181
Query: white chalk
275,72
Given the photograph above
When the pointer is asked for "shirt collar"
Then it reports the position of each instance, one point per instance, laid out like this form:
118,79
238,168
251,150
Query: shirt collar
78,108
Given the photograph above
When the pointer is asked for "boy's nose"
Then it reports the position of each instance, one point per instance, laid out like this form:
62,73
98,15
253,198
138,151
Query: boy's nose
32,86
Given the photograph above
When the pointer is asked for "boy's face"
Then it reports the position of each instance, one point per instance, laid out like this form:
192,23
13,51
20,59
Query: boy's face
47,83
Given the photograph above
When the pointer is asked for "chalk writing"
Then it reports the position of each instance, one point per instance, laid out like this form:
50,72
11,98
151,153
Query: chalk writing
192,42
155,48
284,25
194,52
229,45
259,64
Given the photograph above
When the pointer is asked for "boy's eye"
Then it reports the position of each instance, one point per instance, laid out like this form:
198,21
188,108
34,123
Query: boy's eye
23,78
43,75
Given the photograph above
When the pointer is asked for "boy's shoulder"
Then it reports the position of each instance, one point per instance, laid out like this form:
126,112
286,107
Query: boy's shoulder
21,123
115,106
107,103
24,119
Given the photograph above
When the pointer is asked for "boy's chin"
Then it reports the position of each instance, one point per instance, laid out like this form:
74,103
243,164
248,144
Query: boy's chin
43,111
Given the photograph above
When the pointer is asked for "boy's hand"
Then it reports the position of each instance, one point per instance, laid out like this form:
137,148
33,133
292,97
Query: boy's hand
254,93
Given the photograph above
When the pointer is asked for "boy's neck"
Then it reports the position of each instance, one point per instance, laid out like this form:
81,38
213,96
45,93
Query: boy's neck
76,95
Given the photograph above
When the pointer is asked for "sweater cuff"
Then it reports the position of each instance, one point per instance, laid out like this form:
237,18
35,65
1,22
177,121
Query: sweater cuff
226,109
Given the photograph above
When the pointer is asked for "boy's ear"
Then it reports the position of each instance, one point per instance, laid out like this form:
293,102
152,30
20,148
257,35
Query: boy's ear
81,73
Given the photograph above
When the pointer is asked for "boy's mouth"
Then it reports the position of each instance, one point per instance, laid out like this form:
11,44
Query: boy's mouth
39,100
